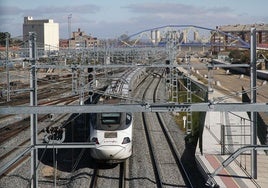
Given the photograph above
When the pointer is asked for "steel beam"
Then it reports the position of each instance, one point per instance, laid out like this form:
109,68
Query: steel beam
214,63
160,107
66,145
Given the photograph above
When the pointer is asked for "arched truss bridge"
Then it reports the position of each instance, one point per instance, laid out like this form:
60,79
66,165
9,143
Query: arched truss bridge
184,35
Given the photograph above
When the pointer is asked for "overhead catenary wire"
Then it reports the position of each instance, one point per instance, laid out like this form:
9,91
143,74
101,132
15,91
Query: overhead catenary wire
220,99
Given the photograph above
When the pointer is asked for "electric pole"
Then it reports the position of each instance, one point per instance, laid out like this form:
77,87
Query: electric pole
7,68
69,25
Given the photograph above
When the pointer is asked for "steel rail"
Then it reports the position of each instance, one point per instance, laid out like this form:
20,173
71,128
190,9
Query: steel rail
94,178
156,167
122,174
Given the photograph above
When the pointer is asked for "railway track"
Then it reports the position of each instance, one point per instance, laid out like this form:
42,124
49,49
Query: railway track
16,139
9,131
172,144
47,89
48,93
167,165
94,178
122,176
10,149
104,177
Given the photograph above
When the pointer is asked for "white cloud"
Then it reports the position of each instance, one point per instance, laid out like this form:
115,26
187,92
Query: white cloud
101,21
46,10
151,14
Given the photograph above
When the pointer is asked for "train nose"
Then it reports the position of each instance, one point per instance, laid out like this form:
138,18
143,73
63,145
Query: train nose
112,152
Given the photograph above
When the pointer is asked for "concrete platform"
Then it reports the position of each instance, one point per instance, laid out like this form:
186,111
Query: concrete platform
236,127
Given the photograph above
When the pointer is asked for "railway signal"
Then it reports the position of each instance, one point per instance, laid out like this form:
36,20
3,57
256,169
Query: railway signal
167,71
90,71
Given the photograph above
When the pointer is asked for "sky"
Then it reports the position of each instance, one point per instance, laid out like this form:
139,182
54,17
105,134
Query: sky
112,18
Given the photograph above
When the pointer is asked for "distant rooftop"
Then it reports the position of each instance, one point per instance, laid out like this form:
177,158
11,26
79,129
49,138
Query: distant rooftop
30,20
247,27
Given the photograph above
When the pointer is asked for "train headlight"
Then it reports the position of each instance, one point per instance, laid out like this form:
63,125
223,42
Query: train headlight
126,140
94,139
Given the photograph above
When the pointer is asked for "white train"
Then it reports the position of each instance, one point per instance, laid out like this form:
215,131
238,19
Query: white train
112,131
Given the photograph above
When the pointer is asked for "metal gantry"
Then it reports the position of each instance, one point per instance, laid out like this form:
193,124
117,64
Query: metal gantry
131,56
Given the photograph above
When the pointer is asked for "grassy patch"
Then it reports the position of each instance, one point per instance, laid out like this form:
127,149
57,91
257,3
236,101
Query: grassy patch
195,115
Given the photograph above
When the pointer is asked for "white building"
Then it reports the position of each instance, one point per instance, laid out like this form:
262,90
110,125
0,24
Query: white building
47,32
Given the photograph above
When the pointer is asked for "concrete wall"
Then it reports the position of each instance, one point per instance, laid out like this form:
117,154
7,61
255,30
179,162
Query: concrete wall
51,36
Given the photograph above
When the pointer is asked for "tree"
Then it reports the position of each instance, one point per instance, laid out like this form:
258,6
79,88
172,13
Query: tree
16,42
235,55
123,39
245,57
239,56
3,36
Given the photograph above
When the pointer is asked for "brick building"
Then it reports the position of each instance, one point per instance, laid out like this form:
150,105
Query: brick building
81,40
242,31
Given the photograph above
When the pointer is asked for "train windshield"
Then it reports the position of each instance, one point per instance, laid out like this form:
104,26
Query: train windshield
110,118
109,121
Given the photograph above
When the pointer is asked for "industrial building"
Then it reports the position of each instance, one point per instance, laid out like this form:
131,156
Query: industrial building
46,30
